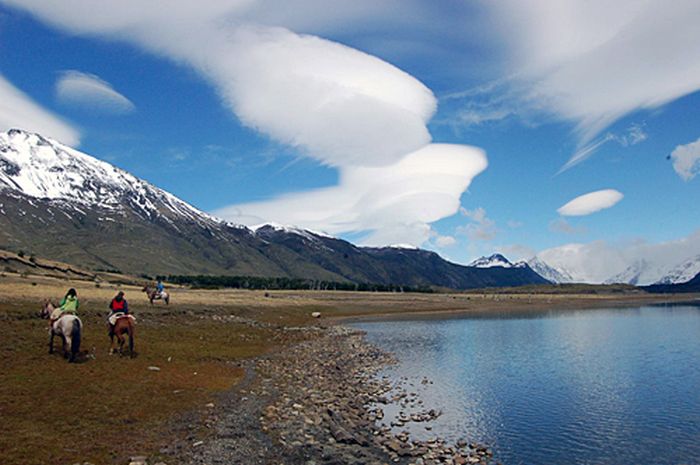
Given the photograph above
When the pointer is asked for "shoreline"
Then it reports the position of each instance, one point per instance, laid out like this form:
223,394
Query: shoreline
321,402
509,308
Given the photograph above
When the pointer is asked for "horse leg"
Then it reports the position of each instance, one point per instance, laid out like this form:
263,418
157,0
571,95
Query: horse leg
67,343
120,338
51,336
131,340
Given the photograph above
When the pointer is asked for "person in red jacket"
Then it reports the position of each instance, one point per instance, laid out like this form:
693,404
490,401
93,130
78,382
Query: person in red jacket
117,305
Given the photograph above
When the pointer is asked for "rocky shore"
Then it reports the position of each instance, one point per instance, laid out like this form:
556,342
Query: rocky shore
322,402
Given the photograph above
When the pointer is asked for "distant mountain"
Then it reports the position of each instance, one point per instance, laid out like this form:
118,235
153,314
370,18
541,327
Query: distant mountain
638,273
65,205
491,261
681,273
548,272
693,285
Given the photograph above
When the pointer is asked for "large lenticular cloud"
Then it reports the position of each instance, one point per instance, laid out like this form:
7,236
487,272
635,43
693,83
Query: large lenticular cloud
338,105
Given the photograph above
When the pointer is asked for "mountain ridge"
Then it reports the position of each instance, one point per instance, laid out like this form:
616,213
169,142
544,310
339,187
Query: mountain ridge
66,205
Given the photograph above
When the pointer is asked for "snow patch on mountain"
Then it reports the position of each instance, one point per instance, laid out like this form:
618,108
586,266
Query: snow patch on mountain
549,272
42,168
682,273
491,261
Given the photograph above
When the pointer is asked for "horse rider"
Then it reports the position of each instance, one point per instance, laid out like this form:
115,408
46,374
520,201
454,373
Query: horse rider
160,287
69,304
117,307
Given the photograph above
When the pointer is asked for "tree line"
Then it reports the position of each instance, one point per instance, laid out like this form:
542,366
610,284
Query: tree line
282,283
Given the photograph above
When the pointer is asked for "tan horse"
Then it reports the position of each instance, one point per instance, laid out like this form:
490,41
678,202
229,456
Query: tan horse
68,327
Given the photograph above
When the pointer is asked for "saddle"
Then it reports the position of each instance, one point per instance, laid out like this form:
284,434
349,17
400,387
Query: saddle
113,318
57,314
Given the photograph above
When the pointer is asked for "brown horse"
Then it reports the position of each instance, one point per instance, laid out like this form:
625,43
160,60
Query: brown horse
123,325
153,294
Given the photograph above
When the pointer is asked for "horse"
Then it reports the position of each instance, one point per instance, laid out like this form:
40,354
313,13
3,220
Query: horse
47,309
123,324
153,294
69,327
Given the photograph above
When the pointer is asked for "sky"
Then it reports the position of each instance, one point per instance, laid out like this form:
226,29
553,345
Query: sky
566,128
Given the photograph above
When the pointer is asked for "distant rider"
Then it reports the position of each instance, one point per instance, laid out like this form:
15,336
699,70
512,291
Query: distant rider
118,305
69,304
160,287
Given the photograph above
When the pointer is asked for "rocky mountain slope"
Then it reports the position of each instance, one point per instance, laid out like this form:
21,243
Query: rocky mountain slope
63,204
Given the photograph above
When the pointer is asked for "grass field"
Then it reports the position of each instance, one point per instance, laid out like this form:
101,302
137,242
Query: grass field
108,407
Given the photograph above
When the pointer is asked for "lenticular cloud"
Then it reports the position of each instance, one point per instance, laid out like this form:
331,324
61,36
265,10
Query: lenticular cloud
591,203
333,103
88,90
402,198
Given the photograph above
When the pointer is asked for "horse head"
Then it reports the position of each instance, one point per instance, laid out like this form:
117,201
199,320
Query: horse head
47,309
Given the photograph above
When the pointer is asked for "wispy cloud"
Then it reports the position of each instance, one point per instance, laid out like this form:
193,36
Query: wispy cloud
17,110
560,225
591,203
632,136
686,160
89,91
482,228
444,241
592,62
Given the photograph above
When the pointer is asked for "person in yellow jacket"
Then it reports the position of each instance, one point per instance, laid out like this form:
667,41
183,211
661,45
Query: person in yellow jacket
69,304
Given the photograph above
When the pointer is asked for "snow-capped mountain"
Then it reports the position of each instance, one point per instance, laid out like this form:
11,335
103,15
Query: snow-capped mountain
496,259
46,169
59,203
681,273
549,272
641,272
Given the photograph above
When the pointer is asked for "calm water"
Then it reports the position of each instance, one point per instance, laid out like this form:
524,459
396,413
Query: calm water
615,386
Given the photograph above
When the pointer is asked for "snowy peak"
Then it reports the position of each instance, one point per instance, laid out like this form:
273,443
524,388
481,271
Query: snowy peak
682,273
42,168
492,261
548,272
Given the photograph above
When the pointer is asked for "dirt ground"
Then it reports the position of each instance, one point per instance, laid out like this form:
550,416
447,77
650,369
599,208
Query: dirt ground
107,408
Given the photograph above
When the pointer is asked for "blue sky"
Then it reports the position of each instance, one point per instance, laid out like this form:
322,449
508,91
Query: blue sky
205,104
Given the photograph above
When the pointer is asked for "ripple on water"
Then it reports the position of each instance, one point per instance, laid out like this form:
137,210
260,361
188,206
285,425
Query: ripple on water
587,387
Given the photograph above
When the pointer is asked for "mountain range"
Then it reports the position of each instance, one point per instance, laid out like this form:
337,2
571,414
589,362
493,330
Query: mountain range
65,205
641,272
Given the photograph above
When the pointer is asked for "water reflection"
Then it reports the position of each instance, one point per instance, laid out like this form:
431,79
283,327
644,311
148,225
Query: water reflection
585,386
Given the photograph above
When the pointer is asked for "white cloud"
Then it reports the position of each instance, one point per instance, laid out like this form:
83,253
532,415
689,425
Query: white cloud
482,227
338,105
394,202
591,203
560,225
592,62
632,136
686,160
445,241
515,252
334,103
89,91
17,110
598,261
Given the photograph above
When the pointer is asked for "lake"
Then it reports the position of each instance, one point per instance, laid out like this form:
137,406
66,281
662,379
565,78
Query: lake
603,386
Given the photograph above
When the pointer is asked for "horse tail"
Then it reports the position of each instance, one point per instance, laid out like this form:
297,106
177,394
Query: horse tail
75,338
